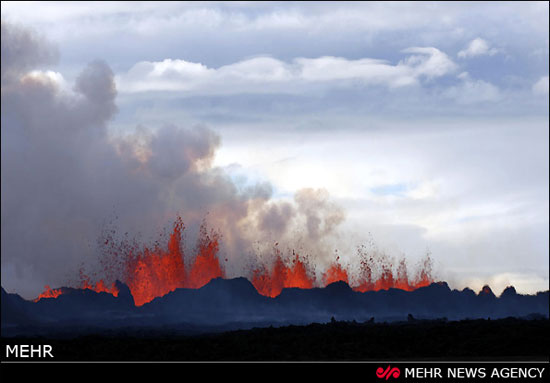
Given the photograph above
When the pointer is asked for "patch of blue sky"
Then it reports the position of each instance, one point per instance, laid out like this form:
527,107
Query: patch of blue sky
392,189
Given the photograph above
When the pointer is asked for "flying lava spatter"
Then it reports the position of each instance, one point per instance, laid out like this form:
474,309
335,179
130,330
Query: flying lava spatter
154,272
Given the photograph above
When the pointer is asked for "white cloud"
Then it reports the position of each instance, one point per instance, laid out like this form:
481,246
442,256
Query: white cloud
429,62
471,91
541,86
424,190
54,80
477,47
266,74
151,17
51,77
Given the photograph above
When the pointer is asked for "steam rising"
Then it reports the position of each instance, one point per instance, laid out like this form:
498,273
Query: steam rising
64,175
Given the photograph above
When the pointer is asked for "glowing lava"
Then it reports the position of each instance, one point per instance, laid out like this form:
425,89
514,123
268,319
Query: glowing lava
206,265
271,283
154,272
335,273
99,287
49,293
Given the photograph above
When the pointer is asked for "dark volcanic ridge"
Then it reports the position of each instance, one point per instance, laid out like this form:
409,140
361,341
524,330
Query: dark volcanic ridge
234,303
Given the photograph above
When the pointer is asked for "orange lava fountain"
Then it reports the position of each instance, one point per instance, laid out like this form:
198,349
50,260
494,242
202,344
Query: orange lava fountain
154,272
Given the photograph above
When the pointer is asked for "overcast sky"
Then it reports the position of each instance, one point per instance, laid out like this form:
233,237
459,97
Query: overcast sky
427,123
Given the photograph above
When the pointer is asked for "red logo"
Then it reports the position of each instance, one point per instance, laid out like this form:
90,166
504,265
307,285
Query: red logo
388,372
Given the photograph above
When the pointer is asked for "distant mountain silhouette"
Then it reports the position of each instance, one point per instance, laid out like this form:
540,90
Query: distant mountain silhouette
230,302
14,310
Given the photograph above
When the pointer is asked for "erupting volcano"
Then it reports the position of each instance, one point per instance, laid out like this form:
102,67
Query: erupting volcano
99,287
152,272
